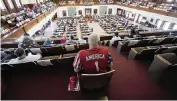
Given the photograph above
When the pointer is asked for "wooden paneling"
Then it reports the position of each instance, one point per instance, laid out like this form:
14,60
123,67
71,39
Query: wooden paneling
30,24
14,35
40,17
5,12
172,14
134,7
47,13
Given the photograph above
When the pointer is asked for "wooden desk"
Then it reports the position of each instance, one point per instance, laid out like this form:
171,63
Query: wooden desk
47,13
30,24
156,33
14,35
40,17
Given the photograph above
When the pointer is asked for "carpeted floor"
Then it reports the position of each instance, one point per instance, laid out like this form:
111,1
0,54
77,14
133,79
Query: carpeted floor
130,81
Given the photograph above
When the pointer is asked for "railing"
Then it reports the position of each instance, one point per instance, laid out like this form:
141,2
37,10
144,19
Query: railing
15,34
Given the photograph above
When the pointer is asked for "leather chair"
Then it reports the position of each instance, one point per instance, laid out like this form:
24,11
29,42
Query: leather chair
6,69
53,51
95,81
86,46
161,63
123,46
24,67
141,53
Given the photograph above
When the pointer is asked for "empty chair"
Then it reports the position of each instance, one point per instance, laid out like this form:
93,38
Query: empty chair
84,46
28,66
66,62
151,42
167,40
35,50
9,45
6,69
54,51
141,53
142,43
168,79
158,41
160,63
174,40
123,46
95,81
171,49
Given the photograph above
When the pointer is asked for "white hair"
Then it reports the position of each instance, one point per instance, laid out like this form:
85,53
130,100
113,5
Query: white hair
93,39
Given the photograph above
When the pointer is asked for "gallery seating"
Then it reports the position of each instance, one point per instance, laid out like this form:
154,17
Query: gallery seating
148,52
125,46
161,63
95,81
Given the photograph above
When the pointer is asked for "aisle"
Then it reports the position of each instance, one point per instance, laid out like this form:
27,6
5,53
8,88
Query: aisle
48,31
97,28
78,31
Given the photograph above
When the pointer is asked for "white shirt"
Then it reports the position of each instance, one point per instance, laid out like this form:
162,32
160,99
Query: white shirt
116,38
28,58
81,41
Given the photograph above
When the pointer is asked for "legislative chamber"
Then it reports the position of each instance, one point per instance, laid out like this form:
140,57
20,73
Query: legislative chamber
88,49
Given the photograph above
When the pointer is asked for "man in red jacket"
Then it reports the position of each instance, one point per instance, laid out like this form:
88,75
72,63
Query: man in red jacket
94,60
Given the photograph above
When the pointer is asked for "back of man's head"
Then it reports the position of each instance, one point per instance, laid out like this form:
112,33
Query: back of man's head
19,52
93,39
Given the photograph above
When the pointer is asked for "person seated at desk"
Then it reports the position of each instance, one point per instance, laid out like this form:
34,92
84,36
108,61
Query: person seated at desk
48,42
114,38
7,55
22,57
94,60
28,42
71,40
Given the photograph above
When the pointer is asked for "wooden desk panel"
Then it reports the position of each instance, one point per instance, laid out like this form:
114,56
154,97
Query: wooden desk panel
47,13
158,11
14,35
40,17
173,14
29,25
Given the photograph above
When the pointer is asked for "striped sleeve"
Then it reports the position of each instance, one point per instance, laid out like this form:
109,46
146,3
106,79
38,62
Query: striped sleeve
76,63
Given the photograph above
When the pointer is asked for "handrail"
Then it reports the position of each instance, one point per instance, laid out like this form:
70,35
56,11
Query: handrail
24,28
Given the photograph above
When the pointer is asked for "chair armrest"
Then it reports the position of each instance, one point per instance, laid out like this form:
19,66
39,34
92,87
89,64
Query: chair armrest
132,54
164,60
133,49
120,42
